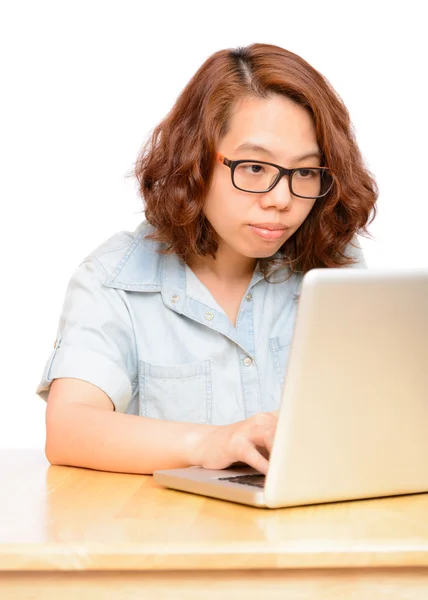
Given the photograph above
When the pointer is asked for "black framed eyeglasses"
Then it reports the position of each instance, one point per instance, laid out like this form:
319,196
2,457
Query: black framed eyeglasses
259,177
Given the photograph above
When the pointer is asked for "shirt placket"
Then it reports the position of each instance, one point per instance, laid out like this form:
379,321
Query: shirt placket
175,298
248,367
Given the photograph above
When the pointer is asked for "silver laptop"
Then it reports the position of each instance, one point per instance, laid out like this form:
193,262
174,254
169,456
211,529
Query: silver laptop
353,421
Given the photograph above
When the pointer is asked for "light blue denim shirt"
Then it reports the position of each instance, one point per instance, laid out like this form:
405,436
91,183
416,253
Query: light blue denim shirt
142,327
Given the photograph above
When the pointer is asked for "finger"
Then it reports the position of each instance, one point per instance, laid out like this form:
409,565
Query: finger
269,435
250,455
266,447
262,436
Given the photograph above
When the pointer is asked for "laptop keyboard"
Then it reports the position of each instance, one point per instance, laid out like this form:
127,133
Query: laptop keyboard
256,479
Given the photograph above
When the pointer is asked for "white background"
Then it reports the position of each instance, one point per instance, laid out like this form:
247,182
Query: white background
84,83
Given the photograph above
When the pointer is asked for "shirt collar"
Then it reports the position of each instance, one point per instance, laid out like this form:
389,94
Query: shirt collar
143,268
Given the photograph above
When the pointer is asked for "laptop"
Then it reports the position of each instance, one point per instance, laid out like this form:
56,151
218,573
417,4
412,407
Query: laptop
353,420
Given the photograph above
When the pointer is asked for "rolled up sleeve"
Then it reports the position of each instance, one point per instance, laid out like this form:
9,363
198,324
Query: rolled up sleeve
95,340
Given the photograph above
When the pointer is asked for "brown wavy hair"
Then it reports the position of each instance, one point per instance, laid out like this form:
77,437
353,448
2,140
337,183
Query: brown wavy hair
175,166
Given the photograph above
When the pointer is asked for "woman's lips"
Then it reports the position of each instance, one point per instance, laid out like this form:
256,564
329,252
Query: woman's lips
267,234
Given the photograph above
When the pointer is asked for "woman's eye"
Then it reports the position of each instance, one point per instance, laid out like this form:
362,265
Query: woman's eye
306,173
253,169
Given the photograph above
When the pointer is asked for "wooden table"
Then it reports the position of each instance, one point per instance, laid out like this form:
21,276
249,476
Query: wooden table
75,533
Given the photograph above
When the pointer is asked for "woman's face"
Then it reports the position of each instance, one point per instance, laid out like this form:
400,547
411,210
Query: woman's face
242,220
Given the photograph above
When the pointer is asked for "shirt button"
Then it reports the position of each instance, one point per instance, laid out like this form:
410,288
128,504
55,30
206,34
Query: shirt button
249,297
175,298
248,361
209,315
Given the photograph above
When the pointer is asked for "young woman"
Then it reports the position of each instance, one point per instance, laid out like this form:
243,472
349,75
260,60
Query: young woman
174,339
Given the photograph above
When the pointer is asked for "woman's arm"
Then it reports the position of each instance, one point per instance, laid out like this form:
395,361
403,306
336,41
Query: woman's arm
82,429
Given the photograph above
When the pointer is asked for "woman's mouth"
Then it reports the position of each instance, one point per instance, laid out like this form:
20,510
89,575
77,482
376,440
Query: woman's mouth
268,231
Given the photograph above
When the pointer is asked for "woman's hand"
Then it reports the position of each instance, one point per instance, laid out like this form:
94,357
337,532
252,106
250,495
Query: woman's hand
248,441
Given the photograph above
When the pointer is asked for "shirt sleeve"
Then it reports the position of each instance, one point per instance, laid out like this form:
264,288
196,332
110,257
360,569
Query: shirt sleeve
353,250
95,340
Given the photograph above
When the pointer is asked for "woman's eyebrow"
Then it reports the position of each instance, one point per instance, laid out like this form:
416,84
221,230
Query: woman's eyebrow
256,148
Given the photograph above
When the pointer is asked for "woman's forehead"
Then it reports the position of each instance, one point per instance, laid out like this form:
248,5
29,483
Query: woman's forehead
274,127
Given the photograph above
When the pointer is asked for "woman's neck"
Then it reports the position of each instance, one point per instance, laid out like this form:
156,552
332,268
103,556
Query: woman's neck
227,267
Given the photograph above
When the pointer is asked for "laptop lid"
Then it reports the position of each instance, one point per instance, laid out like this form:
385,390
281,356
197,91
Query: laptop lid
354,415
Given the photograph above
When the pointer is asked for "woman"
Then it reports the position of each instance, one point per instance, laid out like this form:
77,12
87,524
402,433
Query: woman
174,339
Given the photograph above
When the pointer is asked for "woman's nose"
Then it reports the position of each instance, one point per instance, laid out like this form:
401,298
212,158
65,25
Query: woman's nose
279,197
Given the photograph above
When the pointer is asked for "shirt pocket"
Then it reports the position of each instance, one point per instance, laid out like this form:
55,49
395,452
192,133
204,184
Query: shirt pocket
280,347
176,392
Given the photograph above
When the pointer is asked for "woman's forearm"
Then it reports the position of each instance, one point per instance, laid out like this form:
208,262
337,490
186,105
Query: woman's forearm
86,436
